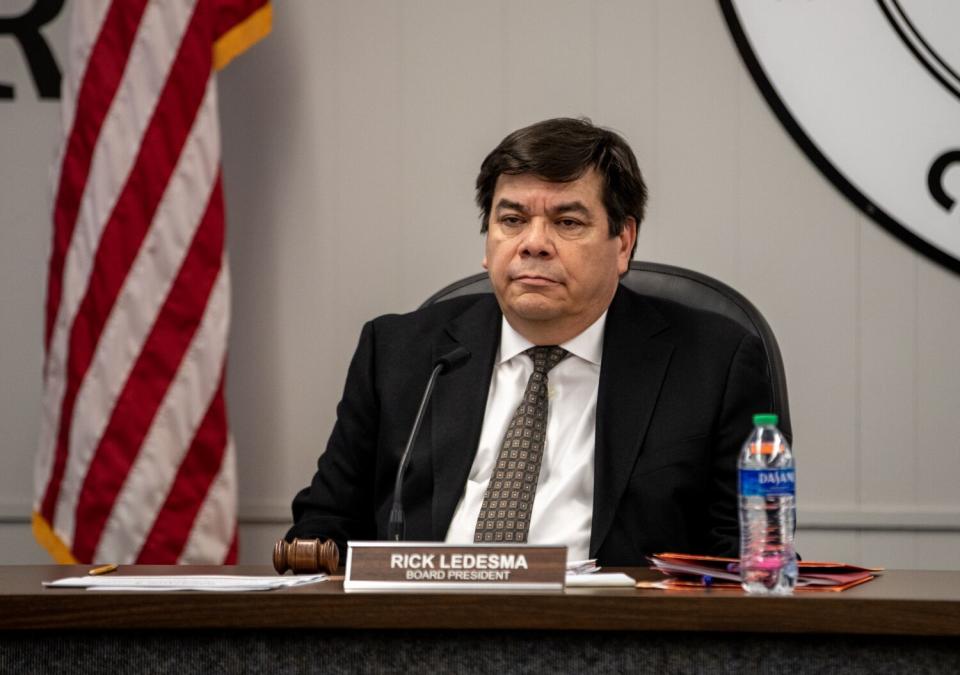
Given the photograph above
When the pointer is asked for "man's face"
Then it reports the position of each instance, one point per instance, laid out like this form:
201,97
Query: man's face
551,259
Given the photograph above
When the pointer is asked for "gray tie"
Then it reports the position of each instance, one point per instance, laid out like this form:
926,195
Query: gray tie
508,501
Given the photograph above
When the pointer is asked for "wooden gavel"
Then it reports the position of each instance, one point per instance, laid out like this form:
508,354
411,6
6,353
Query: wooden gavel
306,556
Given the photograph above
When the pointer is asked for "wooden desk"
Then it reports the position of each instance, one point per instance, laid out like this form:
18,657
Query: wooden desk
902,620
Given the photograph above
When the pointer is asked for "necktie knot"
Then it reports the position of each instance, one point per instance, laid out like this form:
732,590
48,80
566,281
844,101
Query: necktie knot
546,357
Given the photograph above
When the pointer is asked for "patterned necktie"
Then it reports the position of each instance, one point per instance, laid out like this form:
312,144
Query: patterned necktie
508,501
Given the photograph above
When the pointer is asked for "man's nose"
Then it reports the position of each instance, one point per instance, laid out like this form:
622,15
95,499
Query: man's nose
537,242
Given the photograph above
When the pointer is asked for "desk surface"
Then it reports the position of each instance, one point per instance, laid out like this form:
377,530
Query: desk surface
898,603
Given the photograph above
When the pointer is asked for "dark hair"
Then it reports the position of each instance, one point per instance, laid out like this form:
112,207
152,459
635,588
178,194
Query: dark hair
562,150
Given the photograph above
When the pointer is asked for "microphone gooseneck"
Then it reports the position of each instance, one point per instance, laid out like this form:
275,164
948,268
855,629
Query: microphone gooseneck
445,363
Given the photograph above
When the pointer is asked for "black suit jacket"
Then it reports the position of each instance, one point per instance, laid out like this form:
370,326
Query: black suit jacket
677,391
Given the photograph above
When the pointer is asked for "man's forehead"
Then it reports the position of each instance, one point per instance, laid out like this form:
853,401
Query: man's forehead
525,187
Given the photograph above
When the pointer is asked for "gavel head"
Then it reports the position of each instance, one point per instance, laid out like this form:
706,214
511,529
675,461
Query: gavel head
306,556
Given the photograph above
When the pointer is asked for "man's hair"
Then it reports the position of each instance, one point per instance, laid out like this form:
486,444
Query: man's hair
562,150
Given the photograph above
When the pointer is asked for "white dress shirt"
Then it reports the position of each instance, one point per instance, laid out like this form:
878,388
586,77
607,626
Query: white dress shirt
563,505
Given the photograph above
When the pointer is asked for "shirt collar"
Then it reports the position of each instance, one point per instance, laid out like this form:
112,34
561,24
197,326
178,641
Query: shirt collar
588,345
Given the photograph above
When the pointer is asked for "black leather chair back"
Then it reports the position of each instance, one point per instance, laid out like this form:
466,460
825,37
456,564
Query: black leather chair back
685,287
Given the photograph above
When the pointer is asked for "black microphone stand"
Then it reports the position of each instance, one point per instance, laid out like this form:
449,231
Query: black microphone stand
395,528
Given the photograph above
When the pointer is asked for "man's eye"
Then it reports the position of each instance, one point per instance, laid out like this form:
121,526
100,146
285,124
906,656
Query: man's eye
569,223
510,221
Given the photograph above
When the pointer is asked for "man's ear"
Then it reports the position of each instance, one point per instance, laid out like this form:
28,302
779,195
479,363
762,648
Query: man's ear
627,237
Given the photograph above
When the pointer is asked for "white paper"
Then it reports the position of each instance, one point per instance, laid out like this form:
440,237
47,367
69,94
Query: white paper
184,582
600,579
582,566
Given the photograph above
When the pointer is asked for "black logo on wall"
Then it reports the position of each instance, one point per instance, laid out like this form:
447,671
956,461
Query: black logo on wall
871,92
38,56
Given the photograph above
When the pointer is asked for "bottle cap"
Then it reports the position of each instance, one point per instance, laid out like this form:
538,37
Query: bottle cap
765,420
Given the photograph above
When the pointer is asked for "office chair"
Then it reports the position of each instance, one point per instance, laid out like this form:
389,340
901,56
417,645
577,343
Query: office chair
685,287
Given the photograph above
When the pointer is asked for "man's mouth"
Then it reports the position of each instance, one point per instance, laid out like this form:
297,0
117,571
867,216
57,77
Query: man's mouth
535,280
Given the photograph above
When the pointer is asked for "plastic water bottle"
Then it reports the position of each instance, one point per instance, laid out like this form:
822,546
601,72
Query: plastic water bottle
768,560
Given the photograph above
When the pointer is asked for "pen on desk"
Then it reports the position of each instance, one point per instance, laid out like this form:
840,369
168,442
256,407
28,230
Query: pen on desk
103,569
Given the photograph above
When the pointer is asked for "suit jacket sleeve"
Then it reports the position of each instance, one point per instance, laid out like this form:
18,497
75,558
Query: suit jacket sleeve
339,503
747,392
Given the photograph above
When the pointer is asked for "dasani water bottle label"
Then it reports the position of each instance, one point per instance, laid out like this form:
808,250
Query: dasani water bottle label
767,482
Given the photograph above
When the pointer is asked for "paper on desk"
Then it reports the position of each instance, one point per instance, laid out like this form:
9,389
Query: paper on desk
606,579
582,566
184,582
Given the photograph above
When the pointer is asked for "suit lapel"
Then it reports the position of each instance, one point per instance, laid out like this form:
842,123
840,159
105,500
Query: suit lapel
631,373
458,405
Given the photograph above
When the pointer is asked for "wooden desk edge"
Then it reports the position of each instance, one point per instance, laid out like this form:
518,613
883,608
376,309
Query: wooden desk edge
326,606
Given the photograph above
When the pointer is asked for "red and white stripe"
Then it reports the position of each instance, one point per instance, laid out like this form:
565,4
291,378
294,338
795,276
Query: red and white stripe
135,461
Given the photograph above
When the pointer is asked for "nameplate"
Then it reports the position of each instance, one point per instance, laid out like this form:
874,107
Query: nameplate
399,566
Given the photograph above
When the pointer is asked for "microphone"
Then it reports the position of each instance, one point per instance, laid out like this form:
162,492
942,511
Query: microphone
451,360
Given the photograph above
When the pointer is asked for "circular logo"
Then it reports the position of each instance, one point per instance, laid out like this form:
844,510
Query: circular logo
871,92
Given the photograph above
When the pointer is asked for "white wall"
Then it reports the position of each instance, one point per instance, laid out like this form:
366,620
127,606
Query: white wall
27,142
351,140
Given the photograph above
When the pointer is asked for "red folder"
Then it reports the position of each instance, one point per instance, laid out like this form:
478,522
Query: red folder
684,571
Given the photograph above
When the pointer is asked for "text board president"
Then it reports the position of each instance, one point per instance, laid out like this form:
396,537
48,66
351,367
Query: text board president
585,415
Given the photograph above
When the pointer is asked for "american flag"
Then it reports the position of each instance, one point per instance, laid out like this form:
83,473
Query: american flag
136,462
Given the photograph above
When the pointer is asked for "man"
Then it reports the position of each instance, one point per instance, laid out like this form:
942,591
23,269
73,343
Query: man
586,415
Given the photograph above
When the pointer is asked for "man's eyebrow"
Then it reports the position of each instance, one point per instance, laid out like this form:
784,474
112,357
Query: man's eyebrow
567,207
506,204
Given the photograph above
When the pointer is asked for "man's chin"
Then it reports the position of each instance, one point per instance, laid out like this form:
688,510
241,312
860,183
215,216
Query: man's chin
534,308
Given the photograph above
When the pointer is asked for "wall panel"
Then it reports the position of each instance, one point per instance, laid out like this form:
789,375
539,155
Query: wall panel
887,369
938,388
696,127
